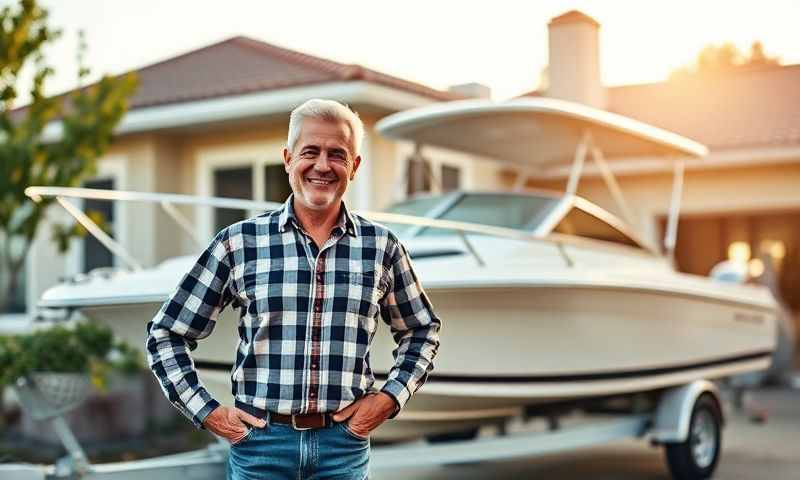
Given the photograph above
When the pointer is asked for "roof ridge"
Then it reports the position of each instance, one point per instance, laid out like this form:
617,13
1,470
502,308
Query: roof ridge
295,56
344,71
322,69
181,55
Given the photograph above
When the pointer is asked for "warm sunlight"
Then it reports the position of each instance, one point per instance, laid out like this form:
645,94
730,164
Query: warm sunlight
502,44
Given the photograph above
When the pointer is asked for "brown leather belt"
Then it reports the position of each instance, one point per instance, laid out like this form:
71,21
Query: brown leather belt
302,422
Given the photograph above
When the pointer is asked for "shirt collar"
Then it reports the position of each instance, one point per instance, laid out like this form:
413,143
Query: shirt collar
287,216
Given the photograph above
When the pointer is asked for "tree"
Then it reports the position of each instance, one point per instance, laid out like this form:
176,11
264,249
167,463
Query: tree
759,58
726,58
87,116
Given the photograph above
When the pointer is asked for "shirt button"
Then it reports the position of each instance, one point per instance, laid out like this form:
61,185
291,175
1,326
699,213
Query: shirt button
314,365
320,278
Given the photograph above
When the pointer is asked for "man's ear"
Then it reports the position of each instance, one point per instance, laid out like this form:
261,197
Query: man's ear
287,157
356,163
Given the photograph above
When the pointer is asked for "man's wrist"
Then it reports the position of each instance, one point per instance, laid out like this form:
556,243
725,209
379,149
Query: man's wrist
203,413
208,416
393,407
398,391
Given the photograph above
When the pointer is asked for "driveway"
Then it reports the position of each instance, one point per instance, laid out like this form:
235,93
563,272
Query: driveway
751,450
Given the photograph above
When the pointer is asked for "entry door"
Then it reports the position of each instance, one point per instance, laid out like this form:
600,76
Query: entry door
705,240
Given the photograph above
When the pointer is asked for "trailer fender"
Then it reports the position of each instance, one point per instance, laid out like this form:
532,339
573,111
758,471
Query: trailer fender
674,411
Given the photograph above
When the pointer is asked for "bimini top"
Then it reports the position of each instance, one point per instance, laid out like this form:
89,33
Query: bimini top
533,132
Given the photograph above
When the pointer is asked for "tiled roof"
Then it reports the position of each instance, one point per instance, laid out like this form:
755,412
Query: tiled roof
242,65
741,109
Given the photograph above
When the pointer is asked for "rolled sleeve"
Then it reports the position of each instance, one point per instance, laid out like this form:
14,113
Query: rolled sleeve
414,326
189,315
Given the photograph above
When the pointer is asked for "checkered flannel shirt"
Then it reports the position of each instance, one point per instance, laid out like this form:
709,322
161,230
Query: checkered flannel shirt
307,316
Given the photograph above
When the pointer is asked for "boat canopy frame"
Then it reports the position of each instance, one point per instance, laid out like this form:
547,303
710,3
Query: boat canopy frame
506,132
168,202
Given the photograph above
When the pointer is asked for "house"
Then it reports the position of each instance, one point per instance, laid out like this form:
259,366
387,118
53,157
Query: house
213,122
743,199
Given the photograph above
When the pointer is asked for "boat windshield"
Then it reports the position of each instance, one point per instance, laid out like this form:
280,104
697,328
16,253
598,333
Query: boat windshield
418,207
516,211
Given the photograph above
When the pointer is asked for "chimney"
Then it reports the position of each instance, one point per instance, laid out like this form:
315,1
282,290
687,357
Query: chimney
574,60
472,90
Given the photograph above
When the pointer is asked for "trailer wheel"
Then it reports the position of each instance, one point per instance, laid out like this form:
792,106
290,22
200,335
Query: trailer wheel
697,457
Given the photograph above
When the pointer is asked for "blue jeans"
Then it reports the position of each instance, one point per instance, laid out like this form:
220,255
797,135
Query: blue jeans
279,451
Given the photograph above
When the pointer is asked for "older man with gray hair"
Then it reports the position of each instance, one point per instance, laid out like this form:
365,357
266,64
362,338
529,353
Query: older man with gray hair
310,280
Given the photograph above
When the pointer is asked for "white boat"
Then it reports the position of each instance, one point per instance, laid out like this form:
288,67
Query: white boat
545,297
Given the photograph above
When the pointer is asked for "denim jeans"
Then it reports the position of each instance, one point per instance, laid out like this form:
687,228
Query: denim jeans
279,451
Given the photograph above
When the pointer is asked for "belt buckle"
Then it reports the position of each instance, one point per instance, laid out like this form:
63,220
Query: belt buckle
294,425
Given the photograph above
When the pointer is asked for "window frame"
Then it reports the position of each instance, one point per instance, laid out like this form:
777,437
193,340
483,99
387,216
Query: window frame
437,159
575,202
232,156
112,168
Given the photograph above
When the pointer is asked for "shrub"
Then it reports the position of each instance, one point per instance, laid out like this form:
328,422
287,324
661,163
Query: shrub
84,347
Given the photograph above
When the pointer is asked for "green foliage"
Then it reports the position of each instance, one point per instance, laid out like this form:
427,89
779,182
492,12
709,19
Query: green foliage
87,118
62,234
85,347
725,58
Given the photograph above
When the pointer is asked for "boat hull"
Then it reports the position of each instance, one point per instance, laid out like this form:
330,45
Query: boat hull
507,347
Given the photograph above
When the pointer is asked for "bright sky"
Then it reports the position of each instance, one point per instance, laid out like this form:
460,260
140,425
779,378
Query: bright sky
500,43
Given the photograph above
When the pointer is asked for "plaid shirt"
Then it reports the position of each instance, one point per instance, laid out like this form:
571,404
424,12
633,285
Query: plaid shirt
307,316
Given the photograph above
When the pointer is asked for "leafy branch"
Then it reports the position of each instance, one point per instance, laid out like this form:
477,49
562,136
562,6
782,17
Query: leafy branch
53,141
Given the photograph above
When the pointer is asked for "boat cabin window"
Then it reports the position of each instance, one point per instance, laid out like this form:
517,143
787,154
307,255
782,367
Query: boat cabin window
583,224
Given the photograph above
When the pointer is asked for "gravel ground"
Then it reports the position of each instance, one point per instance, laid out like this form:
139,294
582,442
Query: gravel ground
751,450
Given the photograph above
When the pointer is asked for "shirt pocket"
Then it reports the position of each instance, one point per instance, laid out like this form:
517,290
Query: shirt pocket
364,290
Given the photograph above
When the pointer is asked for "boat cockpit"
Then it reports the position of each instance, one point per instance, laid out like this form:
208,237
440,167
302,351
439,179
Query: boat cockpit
540,214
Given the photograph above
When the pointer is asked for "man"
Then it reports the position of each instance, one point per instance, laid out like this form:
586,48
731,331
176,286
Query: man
310,280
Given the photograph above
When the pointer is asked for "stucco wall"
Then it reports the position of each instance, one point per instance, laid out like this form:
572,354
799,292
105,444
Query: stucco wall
168,172
129,163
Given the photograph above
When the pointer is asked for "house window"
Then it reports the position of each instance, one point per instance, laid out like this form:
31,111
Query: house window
276,183
17,303
95,255
418,176
232,183
451,178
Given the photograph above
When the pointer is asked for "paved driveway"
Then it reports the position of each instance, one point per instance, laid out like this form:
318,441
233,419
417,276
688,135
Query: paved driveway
751,450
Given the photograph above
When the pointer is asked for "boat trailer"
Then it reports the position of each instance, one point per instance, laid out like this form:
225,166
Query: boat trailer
687,421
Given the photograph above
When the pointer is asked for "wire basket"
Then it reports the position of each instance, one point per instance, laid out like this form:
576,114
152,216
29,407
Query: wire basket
46,395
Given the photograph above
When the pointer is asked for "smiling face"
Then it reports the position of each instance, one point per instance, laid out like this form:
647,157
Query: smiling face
321,164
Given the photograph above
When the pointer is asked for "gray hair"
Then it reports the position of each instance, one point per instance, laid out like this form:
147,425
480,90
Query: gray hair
327,110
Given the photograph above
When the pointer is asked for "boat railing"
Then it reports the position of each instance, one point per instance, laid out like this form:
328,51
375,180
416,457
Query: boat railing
168,202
